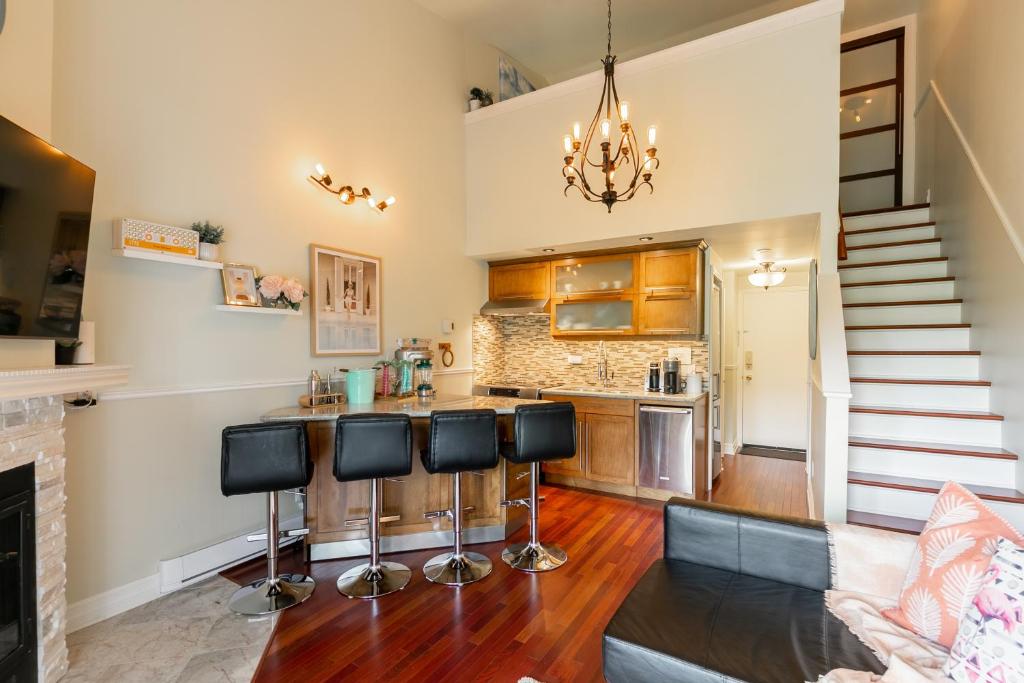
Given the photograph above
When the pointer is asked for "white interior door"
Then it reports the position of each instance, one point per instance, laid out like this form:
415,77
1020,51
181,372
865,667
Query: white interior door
774,367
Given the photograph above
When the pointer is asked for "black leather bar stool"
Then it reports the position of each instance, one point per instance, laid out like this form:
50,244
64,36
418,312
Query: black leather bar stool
267,458
543,431
373,447
460,441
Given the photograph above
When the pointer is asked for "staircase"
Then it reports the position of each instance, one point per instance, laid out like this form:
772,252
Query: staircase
919,415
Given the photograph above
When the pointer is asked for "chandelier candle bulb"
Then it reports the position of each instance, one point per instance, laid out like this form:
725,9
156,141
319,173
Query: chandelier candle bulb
567,143
624,112
390,200
652,135
320,170
606,128
576,131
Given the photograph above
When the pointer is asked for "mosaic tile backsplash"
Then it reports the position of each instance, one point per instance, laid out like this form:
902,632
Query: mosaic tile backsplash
521,350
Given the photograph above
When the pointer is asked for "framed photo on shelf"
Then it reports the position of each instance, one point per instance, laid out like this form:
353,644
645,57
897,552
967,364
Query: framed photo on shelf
345,301
240,285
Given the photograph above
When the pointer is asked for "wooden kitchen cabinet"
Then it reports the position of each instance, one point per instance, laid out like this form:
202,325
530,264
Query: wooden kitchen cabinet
668,298
605,442
520,281
610,448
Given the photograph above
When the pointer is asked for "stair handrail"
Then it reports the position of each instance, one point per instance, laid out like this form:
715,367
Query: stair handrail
841,242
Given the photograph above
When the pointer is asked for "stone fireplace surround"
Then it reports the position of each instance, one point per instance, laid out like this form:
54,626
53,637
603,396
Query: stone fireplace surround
32,431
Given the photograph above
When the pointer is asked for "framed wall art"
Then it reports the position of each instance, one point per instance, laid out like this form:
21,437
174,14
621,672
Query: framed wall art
240,285
346,302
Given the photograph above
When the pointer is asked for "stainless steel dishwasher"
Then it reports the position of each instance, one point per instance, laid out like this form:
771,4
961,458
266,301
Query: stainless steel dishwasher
666,448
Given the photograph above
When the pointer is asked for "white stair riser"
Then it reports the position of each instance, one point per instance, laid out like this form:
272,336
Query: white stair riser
933,466
958,367
922,233
918,292
921,396
914,504
880,220
894,253
938,339
904,315
908,271
935,429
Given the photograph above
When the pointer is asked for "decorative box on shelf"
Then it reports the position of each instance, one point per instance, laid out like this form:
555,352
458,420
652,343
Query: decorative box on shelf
136,235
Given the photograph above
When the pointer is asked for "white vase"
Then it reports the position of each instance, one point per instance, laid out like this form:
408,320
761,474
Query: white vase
209,252
474,104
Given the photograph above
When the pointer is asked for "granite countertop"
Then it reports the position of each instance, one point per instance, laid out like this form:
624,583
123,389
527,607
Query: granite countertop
412,406
620,392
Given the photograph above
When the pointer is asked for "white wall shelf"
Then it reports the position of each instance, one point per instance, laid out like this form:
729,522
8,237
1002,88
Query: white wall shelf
168,258
257,309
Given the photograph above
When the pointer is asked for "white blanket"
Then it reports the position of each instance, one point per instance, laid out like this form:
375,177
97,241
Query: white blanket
868,569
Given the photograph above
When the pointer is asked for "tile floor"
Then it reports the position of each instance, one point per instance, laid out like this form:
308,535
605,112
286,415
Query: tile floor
190,635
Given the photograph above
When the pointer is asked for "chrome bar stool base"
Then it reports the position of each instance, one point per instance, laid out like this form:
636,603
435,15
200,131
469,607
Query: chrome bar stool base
266,597
450,569
366,582
534,557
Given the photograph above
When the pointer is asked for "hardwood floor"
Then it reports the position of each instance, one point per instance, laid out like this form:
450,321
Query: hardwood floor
511,624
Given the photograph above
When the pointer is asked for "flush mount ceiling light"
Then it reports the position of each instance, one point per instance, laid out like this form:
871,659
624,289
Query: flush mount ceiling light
646,238
624,158
346,195
767,274
548,250
854,105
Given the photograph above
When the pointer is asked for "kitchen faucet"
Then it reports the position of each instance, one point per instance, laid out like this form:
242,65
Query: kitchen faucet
603,375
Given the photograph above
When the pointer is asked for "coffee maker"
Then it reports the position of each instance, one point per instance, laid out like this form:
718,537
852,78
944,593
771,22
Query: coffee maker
670,376
653,377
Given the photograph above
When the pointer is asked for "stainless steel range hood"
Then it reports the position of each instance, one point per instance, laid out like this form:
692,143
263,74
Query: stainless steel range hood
515,307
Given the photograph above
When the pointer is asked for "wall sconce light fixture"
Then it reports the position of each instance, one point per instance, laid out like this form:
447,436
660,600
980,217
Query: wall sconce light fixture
345,193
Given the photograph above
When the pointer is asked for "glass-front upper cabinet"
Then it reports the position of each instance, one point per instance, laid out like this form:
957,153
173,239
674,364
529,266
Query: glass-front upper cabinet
593,315
613,274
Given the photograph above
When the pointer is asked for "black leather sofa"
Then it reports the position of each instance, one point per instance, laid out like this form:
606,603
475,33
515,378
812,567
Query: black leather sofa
736,597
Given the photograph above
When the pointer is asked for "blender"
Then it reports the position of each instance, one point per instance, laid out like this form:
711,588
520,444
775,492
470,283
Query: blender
424,378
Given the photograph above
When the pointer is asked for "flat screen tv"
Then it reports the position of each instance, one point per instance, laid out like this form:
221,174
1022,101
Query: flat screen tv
45,210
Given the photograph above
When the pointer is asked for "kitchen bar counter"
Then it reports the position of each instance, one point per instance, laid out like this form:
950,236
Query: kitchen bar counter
412,406
335,512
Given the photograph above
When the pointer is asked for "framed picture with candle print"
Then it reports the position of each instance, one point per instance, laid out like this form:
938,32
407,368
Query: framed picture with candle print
240,285
346,302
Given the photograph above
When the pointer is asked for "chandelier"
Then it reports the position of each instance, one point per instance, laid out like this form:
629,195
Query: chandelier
767,274
623,158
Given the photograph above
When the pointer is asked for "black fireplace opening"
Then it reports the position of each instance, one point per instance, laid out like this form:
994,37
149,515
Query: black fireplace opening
18,575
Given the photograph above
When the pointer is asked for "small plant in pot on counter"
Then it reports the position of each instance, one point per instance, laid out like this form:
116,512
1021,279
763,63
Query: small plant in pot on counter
64,351
281,292
478,97
210,237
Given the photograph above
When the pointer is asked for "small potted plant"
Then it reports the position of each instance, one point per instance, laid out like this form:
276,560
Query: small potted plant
478,97
210,237
64,351
281,292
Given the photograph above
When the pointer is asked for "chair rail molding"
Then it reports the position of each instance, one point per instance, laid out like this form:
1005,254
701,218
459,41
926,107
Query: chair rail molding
993,199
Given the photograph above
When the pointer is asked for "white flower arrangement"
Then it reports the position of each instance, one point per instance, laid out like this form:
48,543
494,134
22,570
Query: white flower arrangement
280,292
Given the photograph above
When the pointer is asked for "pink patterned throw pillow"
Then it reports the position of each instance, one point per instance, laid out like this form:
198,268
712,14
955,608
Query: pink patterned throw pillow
989,646
948,567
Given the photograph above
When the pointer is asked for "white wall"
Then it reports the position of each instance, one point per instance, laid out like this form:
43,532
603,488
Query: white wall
26,65
196,110
748,131
971,130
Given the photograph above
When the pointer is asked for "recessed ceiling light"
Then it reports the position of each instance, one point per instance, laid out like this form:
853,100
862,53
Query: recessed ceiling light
647,238
547,250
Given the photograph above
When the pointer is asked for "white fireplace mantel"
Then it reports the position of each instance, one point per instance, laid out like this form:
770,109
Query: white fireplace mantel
68,379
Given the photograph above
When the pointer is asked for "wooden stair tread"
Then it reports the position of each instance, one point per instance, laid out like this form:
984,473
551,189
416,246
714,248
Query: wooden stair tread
927,412
885,522
943,382
885,209
887,228
928,486
919,302
928,447
888,352
914,326
911,281
906,243
901,262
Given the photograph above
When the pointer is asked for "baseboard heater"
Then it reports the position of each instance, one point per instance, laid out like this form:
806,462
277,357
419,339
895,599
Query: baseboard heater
195,566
